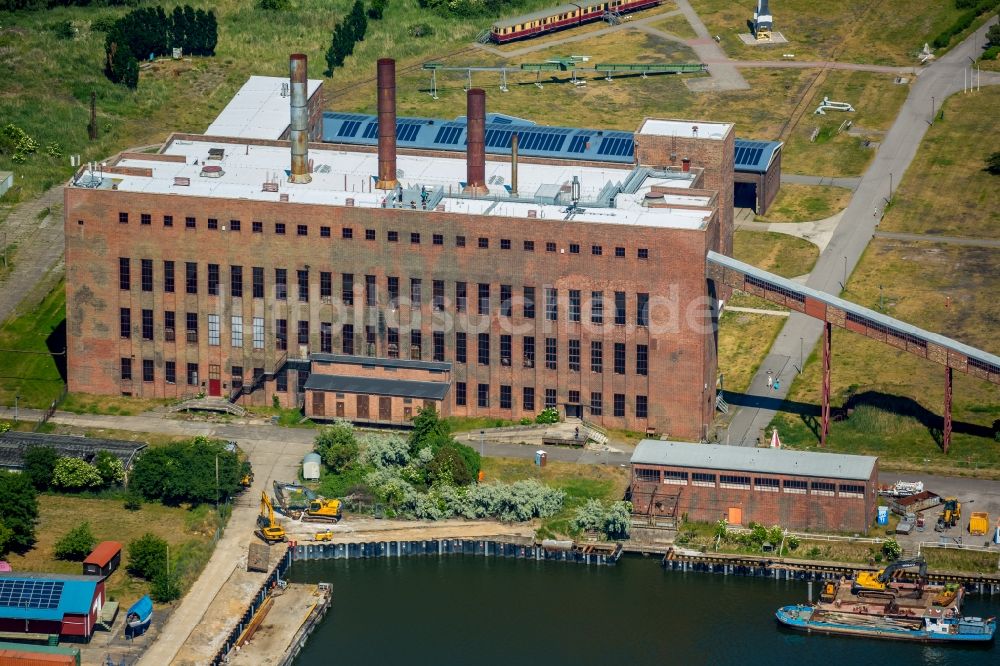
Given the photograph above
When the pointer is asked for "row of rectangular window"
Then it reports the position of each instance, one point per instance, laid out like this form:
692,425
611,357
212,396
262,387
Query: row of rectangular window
596,405
484,291
347,233
192,374
761,484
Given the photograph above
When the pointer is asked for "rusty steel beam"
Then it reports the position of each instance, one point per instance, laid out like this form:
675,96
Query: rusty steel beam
386,124
946,434
827,340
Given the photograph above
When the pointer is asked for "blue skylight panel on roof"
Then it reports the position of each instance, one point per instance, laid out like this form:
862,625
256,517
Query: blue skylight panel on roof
448,135
371,131
349,128
407,132
578,144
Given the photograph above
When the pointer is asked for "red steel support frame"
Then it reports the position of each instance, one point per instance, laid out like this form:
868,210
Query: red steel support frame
827,338
946,435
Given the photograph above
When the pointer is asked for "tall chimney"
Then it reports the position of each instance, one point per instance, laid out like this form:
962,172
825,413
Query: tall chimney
475,149
299,134
513,165
386,124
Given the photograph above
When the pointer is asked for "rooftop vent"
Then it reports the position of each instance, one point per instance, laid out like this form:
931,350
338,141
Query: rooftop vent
283,197
211,172
216,153
182,181
269,186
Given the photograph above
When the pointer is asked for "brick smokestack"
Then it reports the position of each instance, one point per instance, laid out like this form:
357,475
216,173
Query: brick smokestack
299,133
475,150
386,124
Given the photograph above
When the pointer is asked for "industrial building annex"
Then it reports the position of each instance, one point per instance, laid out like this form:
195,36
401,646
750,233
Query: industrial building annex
366,281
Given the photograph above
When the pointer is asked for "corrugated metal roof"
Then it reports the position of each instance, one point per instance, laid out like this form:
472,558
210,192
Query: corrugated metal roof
348,359
400,388
13,446
104,553
746,459
570,143
853,309
42,596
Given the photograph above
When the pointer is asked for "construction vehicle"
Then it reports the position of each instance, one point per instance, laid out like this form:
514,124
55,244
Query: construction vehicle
950,515
324,536
268,529
979,523
292,499
323,510
878,581
829,592
247,479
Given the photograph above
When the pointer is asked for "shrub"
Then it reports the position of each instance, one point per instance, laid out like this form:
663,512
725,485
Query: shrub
525,420
428,429
110,467
5,426
133,502
39,465
273,5
75,474
147,556
386,451
376,9
185,472
166,587
589,516
449,467
892,549
18,511
76,544
550,415
993,167
63,29
420,30
337,446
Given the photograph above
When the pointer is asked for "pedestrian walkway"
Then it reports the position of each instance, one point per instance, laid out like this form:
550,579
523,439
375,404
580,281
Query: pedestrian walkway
933,238
819,233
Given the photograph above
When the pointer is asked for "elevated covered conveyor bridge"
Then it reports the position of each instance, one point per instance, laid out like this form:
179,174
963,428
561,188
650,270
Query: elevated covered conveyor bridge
835,311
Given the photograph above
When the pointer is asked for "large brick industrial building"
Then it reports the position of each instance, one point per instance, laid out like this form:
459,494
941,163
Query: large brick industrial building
795,489
540,275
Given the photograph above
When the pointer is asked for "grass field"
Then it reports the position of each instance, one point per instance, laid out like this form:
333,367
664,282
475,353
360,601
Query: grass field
785,255
676,25
806,203
744,340
28,344
898,398
189,533
948,559
946,191
891,32
581,482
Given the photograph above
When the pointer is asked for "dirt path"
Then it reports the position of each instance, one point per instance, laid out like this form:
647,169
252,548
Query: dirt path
36,227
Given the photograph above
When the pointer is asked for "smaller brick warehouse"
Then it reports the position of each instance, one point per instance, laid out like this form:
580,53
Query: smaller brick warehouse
795,489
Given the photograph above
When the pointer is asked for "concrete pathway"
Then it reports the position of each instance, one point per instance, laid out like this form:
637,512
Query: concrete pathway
40,246
852,234
822,64
724,75
819,233
776,313
798,179
932,238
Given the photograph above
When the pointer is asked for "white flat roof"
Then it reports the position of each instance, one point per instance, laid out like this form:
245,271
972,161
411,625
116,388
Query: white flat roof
258,110
686,128
342,174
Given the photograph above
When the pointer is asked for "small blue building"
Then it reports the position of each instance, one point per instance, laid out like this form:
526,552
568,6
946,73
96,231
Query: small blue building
42,603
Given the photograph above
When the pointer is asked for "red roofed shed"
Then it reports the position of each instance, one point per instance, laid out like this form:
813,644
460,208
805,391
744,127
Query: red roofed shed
104,560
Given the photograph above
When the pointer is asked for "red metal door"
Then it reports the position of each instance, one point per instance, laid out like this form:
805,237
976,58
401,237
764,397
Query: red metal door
214,381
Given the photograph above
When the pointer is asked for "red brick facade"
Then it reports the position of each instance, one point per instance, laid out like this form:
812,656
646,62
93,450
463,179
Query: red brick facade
105,227
793,502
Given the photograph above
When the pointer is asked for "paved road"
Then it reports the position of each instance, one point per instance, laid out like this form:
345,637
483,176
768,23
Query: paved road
931,238
798,179
819,64
852,234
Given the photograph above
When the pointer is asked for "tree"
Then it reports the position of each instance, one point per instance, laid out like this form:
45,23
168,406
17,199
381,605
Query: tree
75,474
166,587
18,509
341,46
993,163
337,446
357,22
427,428
993,35
110,467
892,549
6,534
185,472
618,520
376,9
147,556
211,33
178,29
76,544
449,467
39,464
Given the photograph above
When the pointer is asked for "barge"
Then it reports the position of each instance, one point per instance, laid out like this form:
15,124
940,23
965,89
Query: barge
811,619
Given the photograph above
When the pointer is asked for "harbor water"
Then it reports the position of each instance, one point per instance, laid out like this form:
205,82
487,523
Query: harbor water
461,609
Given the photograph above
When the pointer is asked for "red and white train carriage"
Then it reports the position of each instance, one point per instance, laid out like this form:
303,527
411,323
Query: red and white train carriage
563,16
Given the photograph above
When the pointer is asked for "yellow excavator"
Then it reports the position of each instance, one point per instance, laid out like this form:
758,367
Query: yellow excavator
268,529
323,511
878,581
